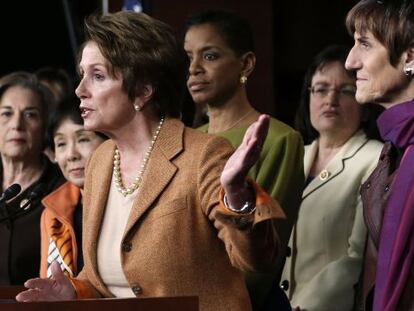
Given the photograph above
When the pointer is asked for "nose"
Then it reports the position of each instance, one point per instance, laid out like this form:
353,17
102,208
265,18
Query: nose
195,66
352,62
332,98
81,90
17,121
72,152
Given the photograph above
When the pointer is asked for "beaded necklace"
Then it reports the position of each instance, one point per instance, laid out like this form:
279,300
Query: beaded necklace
117,169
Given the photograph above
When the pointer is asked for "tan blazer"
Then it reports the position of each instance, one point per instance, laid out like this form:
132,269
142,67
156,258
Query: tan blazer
329,237
178,239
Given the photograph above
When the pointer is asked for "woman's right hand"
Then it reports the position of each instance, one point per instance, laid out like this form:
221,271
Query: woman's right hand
58,287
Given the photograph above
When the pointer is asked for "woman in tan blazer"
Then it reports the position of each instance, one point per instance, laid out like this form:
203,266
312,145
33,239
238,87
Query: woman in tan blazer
164,213
328,239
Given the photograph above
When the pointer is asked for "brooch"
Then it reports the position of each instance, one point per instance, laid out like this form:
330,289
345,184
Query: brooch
324,175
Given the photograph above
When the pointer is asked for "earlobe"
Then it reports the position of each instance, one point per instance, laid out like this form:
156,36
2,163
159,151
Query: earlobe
248,63
409,62
410,54
147,92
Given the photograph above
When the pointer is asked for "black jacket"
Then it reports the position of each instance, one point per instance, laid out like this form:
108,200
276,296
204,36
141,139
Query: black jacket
20,230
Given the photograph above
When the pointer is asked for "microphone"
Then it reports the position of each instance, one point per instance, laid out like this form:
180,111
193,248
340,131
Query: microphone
24,207
10,193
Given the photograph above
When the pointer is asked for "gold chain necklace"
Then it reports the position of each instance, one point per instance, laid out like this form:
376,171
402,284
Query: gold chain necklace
117,169
241,119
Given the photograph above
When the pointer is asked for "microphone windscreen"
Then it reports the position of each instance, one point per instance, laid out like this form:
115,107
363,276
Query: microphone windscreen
11,192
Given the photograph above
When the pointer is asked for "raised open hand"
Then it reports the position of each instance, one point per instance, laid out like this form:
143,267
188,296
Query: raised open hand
56,288
246,155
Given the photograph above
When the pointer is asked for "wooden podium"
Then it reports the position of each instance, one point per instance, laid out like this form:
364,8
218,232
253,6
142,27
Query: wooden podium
9,292
7,303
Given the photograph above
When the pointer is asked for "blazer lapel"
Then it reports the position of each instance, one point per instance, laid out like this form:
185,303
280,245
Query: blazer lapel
311,152
101,181
337,163
160,170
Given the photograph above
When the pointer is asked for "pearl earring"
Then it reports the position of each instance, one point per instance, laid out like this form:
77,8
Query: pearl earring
243,79
137,107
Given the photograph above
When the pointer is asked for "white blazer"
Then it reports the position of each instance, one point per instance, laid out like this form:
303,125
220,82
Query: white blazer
328,239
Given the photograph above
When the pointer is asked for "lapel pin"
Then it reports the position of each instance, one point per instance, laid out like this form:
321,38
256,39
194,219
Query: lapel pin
324,175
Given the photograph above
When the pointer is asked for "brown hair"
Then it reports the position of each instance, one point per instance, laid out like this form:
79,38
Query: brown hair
390,21
144,51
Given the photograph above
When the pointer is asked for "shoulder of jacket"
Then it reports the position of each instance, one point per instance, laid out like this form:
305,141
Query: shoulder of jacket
197,138
280,130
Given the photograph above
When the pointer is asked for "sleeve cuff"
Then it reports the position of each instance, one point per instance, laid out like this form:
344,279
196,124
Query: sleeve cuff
83,291
262,198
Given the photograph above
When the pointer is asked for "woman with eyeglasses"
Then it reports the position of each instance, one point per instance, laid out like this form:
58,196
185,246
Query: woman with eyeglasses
328,238
383,60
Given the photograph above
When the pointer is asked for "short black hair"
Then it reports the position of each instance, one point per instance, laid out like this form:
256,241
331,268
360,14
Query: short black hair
68,109
236,31
369,113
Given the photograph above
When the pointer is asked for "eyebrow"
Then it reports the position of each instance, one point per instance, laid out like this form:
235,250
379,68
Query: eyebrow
79,68
362,38
25,109
77,132
328,84
207,47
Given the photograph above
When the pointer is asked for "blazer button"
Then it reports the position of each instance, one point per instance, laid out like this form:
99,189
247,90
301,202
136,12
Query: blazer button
284,285
126,247
368,185
288,251
136,289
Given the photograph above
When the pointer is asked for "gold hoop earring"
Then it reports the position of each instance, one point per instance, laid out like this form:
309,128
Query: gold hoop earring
243,79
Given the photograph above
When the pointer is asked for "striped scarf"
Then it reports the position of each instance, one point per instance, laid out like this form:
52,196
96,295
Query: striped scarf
60,249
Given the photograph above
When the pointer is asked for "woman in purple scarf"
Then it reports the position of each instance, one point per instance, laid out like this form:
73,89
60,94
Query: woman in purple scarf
383,59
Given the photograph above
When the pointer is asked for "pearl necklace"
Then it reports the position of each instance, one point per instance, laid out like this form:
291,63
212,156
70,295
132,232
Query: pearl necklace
117,169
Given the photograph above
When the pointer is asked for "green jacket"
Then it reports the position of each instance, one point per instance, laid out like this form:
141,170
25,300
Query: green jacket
280,172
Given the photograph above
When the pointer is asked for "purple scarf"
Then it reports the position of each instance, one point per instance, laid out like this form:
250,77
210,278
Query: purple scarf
396,249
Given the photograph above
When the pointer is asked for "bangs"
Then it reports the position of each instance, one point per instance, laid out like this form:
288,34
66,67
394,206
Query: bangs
387,23
364,18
